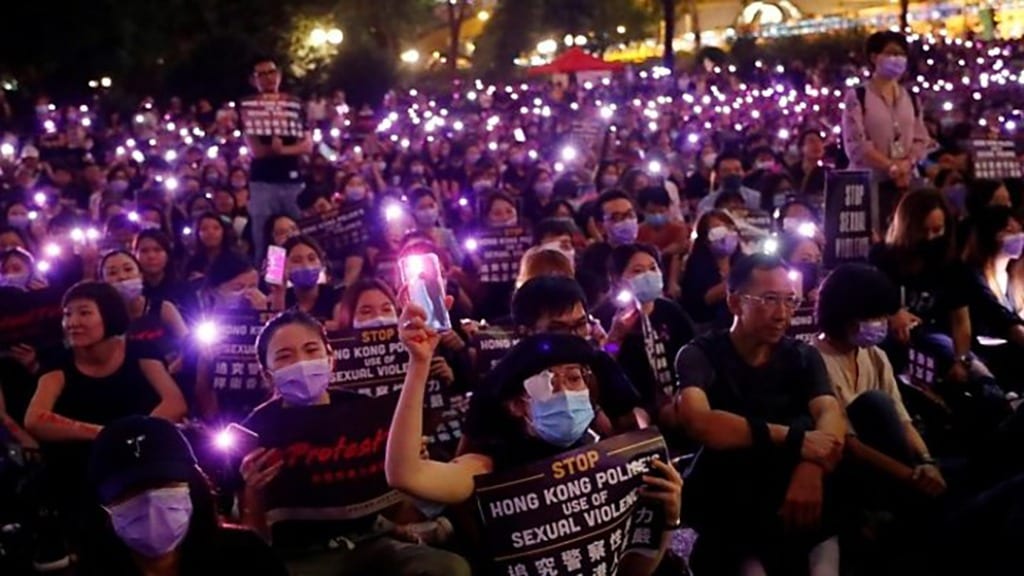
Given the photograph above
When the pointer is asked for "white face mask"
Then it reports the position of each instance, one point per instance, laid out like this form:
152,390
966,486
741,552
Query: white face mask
378,322
557,247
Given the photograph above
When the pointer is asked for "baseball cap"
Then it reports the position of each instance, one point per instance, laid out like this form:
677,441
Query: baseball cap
139,450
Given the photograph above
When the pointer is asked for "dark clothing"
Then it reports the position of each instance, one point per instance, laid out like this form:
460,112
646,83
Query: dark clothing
231,551
647,355
275,169
991,314
592,271
697,186
150,329
808,183
323,309
931,291
181,294
735,496
700,276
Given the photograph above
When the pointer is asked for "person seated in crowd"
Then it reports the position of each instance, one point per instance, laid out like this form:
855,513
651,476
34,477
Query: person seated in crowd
18,270
996,240
804,256
557,305
98,379
540,261
369,303
507,427
728,177
671,238
703,285
277,230
809,173
645,330
296,358
306,287
762,406
616,222
155,321
155,255
500,211
933,319
214,236
153,510
427,214
889,460
554,234
540,194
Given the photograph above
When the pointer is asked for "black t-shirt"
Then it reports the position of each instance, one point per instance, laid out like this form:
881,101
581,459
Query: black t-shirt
275,169
648,353
700,276
592,272
777,392
932,292
991,314
101,401
323,309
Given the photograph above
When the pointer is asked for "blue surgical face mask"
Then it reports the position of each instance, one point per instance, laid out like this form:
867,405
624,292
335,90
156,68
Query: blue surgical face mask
657,220
623,232
19,222
19,281
647,287
355,193
870,333
609,181
378,322
891,67
724,244
129,289
544,189
306,277
562,419
1012,245
118,186
235,300
304,382
426,216
154,522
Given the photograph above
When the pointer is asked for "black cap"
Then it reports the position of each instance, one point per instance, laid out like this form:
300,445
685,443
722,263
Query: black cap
534,354
139,450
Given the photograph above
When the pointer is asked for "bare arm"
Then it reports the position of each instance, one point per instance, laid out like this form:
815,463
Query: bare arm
961,325
45,424
716,294
172,403
206,398
172,319
441,482
828,416
717,429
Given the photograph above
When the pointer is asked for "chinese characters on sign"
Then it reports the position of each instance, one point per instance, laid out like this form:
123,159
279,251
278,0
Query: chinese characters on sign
500,253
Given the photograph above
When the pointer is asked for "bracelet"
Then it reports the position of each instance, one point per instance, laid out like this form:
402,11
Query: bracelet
795,440
759,433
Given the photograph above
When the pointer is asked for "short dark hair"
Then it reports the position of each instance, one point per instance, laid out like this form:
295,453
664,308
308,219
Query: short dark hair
877,42
103,261
621,255
112,307
607,196
351,295
260,59
851,293
980,193
805,133
743,269
545,296
725,156
986,225
293,316
551,227
656,195
304,240
157,236
225,267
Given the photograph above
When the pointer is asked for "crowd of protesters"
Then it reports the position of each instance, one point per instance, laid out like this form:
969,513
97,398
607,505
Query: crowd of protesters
677,225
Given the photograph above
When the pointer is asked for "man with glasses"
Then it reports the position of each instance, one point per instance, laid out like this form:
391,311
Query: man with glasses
616,219
557,305
275,182
761,404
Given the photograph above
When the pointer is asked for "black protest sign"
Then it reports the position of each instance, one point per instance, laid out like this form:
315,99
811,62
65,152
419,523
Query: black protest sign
234,370
32,317
851,215
804,324
500,251
338,231
332,458
576,513
272,115
586,133
373,362
491,344
994,159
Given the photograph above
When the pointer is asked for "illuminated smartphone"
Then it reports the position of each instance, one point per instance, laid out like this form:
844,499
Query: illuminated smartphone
243,440
519,135
275,265
421,275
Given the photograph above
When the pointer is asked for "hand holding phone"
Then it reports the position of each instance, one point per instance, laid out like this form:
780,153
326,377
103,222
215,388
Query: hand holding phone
276,256
421,275
237,440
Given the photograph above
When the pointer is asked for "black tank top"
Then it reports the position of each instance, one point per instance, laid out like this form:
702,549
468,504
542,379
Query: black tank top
149,329
104,400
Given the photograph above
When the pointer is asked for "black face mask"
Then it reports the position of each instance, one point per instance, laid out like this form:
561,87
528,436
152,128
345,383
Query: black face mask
933,250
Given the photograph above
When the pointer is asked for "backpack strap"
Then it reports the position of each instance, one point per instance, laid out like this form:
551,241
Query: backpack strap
862,96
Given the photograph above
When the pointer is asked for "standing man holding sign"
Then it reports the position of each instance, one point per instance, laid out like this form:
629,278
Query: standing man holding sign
762,405
274,183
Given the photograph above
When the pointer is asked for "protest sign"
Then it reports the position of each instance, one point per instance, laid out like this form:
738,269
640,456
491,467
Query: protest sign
575,513
32,317
373,363
500,251
994,159
332,458
234,370
272,115
804,324
851,215
586,134
338,231
491,344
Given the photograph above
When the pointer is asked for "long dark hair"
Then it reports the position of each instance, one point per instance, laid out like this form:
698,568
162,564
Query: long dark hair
103,553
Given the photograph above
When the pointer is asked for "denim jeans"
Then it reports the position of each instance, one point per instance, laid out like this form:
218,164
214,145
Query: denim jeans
267,199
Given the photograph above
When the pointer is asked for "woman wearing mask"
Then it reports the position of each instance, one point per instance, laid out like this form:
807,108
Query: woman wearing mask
507,425
231,285
540,195
996,240
214,237
704,281
305,272
160,275
933,319
20,368
154,511
500,211
297,361
427,214
353,189
608,177
18,270
645,330
17,216
803,255
155,321
366,304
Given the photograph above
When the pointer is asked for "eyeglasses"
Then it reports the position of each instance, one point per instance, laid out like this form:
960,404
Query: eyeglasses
579,327
266,73
774,300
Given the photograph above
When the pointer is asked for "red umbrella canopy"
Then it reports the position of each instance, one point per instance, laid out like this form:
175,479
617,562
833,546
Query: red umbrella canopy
575,60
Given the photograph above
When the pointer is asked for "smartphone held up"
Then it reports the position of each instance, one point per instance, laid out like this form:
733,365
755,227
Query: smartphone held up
422,278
